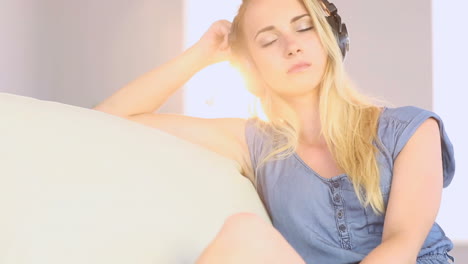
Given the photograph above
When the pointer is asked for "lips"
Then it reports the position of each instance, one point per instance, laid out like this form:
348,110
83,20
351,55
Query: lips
299,67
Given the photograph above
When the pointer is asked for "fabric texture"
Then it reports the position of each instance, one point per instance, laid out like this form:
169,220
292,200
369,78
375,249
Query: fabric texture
322,218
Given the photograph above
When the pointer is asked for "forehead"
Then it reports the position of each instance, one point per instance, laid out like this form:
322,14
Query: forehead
263,13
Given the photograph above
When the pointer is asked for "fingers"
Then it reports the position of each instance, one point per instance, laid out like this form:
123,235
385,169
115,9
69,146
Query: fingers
225,22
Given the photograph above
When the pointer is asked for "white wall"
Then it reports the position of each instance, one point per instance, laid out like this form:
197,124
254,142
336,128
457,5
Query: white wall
80,52
18,51
390,49
450,74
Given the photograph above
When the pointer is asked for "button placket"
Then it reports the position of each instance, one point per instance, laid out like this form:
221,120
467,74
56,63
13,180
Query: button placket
340,214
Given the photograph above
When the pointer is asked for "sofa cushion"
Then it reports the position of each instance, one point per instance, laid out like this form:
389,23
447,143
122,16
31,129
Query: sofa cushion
82,186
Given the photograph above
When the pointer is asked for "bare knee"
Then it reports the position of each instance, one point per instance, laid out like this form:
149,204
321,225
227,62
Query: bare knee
250,230
247,238
241,225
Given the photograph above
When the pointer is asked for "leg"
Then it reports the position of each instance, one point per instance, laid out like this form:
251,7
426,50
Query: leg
246,238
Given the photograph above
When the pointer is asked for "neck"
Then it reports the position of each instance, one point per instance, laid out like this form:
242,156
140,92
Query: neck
307,110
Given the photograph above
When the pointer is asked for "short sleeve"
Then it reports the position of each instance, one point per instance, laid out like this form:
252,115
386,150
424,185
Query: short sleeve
404,121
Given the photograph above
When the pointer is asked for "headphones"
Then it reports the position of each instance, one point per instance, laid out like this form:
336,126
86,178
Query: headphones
340,30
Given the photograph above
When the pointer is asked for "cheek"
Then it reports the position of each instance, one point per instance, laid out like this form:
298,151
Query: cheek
269,65
272,72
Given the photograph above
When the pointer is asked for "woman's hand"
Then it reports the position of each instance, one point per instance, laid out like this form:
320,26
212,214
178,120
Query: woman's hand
214,45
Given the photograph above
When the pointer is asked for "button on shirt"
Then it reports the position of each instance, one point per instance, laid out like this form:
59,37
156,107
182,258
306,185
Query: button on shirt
322,218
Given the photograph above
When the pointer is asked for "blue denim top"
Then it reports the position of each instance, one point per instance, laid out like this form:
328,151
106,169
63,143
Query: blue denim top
322,218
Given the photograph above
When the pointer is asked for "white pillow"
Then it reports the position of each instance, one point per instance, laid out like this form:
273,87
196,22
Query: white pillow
82,186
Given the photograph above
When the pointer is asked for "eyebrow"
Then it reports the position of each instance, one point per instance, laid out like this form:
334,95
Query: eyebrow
294,19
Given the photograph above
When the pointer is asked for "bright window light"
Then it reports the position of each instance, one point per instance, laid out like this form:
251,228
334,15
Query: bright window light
218,90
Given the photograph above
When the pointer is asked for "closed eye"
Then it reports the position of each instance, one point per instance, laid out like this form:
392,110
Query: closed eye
302,30
305,29
268,44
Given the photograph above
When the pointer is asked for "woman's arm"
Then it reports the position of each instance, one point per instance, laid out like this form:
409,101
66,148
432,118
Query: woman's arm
415,198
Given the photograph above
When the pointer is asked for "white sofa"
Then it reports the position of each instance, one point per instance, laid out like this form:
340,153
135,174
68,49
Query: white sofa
82,186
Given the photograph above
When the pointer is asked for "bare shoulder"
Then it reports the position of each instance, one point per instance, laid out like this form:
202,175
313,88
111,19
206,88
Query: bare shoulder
225,136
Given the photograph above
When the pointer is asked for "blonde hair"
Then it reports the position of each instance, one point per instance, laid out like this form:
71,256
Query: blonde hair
349,119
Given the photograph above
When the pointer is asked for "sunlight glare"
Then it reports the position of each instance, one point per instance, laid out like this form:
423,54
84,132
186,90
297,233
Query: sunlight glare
218,90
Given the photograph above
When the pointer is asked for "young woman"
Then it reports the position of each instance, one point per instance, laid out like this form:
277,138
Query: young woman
343,179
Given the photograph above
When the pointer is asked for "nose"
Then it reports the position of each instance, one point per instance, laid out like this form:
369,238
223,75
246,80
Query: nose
292,48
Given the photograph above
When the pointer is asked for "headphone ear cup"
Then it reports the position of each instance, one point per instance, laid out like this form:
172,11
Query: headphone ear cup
339,29
344,40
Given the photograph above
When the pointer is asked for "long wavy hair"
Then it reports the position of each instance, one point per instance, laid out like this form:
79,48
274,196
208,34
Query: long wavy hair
349,119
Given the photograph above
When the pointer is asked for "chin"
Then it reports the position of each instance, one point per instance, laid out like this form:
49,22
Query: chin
295,90
296,86
304,85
